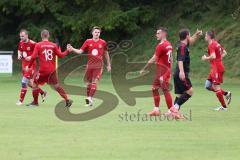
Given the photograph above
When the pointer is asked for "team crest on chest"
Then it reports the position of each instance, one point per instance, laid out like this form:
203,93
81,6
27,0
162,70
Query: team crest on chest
28,48
90,45
100,46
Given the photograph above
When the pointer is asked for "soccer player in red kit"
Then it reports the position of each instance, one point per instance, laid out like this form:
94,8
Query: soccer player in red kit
46,52
163,60
25,49
97,49
215,78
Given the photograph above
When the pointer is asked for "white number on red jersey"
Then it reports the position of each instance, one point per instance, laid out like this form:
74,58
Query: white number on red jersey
169,54
48,54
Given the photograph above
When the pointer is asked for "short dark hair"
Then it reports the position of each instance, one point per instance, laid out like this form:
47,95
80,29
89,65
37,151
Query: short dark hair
183,33
164,29
45,33
211,34
24,30
96,27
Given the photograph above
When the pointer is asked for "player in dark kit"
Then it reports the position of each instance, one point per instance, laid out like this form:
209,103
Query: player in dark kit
215,54
46,52
182,83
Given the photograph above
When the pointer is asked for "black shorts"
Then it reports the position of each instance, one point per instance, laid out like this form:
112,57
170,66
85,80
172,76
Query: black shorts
181,86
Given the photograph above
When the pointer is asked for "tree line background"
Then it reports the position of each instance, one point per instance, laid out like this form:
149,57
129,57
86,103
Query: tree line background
70,21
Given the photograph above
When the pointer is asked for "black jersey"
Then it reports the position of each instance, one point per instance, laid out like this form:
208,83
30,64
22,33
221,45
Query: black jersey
183,54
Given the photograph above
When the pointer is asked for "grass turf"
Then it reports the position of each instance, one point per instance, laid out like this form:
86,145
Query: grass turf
36,133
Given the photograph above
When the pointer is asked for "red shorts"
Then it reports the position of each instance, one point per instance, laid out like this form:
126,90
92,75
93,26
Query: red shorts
29,74
162,82
93,74
50,78
216,77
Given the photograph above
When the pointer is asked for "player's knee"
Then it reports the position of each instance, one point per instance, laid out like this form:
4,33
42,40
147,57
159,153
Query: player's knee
55,86
190,92
24,85
208,85
154,89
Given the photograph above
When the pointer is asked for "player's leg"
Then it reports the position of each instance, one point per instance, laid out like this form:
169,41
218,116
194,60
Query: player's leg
165,87
53,81
88,80
156,99
23,92
41,92
35,93
37,80
219,95
93,77
186,91
63,94
227,94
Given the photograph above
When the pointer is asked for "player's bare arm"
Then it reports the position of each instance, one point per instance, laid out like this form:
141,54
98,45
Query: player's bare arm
149,63
193,39
223,53
181,70
74,50
107,57
212,56
19,55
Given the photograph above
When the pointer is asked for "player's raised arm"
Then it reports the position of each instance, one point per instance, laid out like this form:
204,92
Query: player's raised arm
195,37
149,63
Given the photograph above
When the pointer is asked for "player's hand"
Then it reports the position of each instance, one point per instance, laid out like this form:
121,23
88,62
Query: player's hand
28,58
19,56
199,32
26,69
182,76
109,68
204,57
69,47
142,72
161,79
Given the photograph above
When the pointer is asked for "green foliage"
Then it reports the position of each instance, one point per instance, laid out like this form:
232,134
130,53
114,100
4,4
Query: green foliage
71,21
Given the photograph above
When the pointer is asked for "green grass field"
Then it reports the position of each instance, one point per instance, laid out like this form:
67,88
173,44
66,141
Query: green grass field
36,133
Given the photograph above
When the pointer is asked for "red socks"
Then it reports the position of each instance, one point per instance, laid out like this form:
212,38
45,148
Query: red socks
92,90
35,93
62,93
41,91
168,99
22,94
156,97
219,95
88,89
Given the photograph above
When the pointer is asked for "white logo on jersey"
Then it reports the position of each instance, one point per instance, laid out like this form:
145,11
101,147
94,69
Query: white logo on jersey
94,52
28,48
24,54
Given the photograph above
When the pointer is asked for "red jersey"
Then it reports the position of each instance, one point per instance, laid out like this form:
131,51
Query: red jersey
95,52
163,54
215,47
46,52
26,50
